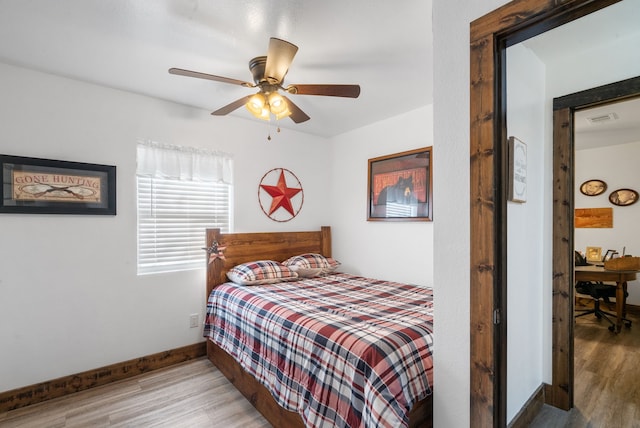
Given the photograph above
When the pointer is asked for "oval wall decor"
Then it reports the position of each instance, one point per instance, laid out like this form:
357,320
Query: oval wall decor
280,194
593,187
623,197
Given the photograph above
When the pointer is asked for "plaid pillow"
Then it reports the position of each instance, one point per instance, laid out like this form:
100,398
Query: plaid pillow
311,264
261,272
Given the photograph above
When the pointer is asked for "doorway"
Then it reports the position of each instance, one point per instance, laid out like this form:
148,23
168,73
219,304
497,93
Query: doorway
490,35
561,391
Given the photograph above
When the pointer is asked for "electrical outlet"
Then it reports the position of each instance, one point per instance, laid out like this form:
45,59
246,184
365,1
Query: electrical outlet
193,320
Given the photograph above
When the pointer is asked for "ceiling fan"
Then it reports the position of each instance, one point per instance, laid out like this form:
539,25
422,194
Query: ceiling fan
268,75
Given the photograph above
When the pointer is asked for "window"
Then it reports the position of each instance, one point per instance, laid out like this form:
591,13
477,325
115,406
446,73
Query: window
181,192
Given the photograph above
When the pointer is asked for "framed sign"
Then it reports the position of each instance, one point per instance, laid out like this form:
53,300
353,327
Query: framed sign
45,186
517,186
399,187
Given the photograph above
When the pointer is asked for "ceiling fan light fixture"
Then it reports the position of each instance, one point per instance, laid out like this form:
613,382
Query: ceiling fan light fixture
277,104
285,113
257,106
262,106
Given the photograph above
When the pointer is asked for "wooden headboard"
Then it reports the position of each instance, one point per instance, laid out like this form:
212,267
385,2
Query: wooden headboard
246,247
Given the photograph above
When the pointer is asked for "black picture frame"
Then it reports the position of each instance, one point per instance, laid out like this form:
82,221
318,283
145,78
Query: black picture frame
399,186
47,186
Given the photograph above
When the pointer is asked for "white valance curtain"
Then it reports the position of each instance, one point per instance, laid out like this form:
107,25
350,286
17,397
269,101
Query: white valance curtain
183,163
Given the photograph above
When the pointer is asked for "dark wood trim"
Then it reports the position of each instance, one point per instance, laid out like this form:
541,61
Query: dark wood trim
605,94
65,385
530,410
560,393
490,35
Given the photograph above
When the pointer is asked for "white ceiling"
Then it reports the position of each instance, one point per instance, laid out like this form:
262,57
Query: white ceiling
621,127
382,45
593,33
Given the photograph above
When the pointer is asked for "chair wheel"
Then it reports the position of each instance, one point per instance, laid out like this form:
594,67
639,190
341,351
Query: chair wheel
628,324
599,316
612,327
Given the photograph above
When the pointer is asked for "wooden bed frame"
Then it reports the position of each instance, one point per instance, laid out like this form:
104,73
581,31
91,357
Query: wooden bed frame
245,247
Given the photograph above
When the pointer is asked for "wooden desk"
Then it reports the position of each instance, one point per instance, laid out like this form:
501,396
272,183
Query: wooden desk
598,273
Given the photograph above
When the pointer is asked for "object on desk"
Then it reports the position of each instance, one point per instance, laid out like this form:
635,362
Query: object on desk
580,260
610,254
594,254
623,263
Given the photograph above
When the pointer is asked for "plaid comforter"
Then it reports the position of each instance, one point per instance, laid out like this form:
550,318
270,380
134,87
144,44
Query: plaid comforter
340,350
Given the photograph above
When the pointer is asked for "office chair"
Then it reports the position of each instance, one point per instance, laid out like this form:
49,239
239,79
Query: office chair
599,291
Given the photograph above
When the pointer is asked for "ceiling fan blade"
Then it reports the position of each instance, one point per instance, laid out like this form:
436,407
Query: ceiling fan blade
349,91
231,107
189,73
297,115
279,58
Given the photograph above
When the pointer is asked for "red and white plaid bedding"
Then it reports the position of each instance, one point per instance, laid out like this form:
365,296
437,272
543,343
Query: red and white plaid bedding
340,350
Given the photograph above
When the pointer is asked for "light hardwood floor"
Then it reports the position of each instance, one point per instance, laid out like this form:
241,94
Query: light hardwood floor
192,394
195,394
607,379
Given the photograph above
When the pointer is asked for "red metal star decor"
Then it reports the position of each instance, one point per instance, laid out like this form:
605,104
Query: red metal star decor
282,196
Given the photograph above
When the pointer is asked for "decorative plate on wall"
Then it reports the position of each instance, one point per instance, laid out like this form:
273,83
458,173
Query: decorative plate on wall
623,197
593,187
278,200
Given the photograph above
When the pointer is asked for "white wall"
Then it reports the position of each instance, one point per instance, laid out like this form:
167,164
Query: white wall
618,167
399,251
451,21
528,261
69,293
70,299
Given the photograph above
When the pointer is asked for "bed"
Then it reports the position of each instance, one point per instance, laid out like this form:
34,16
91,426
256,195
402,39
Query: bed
245,247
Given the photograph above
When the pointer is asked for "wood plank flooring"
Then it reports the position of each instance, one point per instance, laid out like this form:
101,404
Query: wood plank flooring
607,378
195,394
192,394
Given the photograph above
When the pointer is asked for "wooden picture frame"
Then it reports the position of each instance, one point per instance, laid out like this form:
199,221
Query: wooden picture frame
594,254
593,187
517,185
46,186
623,197
399,186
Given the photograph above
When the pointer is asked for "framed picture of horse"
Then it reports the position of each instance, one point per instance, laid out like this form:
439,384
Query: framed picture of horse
400,186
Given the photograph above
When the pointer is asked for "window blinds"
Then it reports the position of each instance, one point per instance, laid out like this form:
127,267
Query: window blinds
173,213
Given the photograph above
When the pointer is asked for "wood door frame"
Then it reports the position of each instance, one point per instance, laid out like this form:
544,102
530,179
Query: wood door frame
490,35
